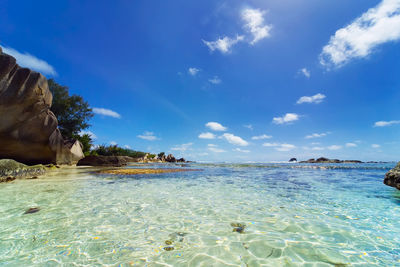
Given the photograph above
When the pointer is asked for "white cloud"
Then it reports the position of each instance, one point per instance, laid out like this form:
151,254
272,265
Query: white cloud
106,112
28,61
351,145
385,123
378,25
375,146
334,147
241,150
248,126
207,135
317,148
215,126
289,117
182,147
305,72
149,136
215,80
193,71
318,98
224,45
316,135
254,23
113,143
280,147
215,149
235,140
261,137
126,146
91,134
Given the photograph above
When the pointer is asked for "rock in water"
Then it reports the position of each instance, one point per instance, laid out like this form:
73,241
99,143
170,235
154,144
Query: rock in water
10,170
32,210
392,177
114,161
28,129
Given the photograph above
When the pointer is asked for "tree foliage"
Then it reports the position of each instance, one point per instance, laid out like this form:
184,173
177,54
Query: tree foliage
72,111
115,150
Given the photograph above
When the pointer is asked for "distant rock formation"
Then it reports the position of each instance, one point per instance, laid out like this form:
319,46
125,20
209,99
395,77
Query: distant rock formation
326,160
293,160
392,177
28,129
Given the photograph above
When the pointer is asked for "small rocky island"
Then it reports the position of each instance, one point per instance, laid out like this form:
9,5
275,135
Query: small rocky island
392,177
326,160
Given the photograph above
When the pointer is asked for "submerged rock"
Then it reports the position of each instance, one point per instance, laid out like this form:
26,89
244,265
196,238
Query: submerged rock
238,227
392,177
169,248
11,170
32,210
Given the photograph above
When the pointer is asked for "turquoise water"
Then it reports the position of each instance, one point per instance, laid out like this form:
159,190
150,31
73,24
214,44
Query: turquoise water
315,215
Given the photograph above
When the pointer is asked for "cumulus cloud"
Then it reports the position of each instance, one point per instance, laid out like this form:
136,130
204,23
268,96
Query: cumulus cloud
334,147
127,147
385,123
235,140
214,148
215,80
254,23
215,126
149,136
193,71
305,72
351,145
223,45
182,148
317,148
375,146
207,135
377,26
280,147
287,118
261,137
106,112
241,150
91,134
316,99
28,61
113,143
316,135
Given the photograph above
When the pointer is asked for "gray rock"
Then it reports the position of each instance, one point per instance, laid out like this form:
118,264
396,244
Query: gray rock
11,170
108,161
392,177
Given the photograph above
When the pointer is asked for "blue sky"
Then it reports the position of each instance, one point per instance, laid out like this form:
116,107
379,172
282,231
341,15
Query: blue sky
223,80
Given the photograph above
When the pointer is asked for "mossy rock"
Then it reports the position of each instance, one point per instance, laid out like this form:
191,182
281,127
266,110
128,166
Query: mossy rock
10,169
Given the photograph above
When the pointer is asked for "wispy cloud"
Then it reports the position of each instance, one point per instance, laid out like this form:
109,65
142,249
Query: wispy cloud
235,140
378,25
113,143
280,147
254,23
305,72
334,147
316,135
91,134
127,147
316,99
248,126
149,136
241,150
193,71
215,126
223,45
207,135
182,148
29,61
106,112
351,145
385,123
261,137
287,118
215,80
215,149
375,146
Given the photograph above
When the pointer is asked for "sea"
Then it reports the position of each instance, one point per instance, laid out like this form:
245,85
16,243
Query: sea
259,214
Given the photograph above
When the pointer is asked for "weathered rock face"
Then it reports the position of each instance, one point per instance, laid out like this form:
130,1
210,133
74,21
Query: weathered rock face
392,177
28,129
109,161
11,170
170,158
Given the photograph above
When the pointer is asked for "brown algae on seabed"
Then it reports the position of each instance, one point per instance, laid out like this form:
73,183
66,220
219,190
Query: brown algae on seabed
144,171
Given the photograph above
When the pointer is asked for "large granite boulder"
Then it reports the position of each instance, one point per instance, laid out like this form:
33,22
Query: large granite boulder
11,170
392,177
170,158
28,129
107,161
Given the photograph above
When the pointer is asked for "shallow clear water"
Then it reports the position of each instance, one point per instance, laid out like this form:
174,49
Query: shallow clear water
341,215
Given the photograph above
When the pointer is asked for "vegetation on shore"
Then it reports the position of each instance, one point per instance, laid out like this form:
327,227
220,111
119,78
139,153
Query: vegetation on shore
114,150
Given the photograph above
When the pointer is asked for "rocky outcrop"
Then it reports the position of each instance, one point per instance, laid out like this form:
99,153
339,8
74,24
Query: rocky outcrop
392,177
293,160
170,158
107,161
28,129
11,170
326,160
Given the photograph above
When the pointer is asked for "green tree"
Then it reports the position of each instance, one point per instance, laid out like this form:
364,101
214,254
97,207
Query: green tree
73,112
160,155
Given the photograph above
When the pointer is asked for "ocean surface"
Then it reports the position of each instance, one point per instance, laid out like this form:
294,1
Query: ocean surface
223,215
